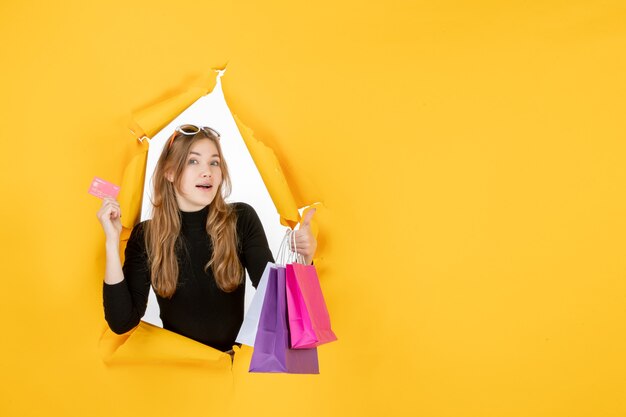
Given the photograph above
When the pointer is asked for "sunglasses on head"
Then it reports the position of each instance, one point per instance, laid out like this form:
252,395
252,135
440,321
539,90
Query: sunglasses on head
192,130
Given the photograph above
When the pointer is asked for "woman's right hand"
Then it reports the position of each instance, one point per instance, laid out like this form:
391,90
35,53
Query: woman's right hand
109,216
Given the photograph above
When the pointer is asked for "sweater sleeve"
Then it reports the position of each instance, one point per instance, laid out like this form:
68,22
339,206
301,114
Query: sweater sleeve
254,249
125,302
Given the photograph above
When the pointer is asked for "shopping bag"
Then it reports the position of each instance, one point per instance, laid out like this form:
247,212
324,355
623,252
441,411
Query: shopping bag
301,331
247,332
309,321
271,346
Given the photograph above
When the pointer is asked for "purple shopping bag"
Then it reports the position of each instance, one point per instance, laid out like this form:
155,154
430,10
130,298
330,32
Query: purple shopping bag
271,346
309,322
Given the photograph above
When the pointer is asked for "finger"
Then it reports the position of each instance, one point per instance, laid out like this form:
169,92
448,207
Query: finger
111,203
305,252
302,232
304,235
108,201
302,244
305,243
108,212
104,211
114,214
306,221
107,207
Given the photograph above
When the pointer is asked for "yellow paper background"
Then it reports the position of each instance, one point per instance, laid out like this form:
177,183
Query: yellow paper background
469,157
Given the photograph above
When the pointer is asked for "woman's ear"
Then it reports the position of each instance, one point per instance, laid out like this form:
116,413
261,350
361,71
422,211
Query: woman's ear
169,175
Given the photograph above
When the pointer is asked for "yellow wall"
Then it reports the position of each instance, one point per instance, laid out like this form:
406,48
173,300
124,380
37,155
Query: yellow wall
470,156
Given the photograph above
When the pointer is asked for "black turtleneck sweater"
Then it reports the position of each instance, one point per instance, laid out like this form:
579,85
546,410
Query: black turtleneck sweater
198,309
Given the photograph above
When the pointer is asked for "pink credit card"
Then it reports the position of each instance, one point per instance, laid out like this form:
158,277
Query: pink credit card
101,188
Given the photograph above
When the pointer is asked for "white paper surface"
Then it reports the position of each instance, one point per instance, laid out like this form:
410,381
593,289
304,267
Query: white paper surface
247,185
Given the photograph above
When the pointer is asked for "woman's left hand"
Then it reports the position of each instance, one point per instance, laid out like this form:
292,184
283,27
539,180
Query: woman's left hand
306,244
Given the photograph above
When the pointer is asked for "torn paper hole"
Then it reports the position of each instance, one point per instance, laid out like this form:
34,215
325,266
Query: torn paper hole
247,183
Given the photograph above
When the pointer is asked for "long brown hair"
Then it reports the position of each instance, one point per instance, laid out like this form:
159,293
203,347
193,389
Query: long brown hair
163,231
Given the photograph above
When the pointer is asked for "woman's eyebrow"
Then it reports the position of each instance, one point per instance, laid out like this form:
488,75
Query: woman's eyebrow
199,154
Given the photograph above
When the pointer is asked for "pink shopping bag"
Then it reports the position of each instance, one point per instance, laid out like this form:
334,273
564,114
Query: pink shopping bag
309,321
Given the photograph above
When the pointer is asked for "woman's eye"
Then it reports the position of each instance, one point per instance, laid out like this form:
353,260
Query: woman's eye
192,161
215,163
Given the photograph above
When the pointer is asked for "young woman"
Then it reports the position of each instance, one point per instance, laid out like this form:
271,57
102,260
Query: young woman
194,249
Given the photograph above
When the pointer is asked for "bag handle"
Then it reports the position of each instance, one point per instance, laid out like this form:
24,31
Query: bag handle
297,257
285,253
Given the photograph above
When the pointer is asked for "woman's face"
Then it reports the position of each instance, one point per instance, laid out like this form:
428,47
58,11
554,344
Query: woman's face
201,177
